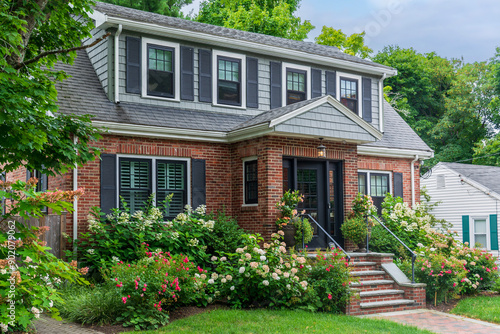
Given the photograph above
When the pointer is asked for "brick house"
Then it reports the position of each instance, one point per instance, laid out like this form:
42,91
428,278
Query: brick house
231,119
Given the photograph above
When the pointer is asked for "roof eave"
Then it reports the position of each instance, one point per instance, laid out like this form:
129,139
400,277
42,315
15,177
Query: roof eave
105,21
388,152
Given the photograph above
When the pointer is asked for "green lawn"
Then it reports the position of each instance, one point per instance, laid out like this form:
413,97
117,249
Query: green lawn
484,308
267,322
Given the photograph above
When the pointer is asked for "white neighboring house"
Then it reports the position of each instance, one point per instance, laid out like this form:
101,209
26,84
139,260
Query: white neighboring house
470,200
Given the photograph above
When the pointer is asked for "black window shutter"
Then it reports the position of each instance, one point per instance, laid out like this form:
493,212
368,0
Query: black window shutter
205,75
108,182
398,185
275,85
199,184
331,83
133,75
28,174
367,99
252,82
315,83
187,73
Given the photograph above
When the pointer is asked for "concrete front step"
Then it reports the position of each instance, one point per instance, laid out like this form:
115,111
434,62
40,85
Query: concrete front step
373,285
367,273
380,295
387,303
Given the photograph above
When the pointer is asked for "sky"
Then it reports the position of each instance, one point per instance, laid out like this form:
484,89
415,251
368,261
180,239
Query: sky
468,29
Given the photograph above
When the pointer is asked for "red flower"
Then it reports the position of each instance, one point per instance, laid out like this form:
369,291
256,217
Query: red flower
330,296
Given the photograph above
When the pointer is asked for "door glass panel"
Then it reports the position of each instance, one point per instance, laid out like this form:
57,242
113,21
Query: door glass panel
307,184
331,201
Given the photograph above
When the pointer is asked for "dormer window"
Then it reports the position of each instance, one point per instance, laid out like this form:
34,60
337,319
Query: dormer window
296,88
349,93
160,71
229,81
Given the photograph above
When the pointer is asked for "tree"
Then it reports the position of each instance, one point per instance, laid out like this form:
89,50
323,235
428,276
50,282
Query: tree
34,36
163,7
353,45
275,18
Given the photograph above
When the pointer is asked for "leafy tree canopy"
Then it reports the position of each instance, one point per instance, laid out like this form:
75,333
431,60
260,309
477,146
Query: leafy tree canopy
353,45
267,17
163,7
34,36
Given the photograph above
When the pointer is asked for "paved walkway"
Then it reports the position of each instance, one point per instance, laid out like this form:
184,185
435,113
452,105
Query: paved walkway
47,325
440,322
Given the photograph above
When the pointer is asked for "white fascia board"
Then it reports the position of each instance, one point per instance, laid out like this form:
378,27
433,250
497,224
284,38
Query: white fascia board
160,132
477,185
269,50
393,152
249,133
337,105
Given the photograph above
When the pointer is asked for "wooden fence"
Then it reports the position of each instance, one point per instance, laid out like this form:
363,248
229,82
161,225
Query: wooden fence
54,236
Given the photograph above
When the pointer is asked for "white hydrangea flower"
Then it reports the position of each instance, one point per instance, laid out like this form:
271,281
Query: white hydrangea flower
193,242
201,210
231,288
175,235
242,270
263,258
265,282
139,215
211,281
4,327
188,208
155,214
181,217
90,251
115,259
158,236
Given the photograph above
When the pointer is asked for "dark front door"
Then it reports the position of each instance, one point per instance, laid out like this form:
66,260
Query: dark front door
319,182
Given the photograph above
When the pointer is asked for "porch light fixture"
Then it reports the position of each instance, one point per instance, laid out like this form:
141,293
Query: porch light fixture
321,149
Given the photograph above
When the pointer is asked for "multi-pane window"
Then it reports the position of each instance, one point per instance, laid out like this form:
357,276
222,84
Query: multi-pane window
480,233
251,182
362,183
136,183
229,81
377,185
160,71
349,93
295,86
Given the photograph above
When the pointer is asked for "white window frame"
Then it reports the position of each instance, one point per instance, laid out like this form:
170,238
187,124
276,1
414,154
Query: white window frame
144,68
360,90
252,158
473,235
307,69
215,76
372,171
153,173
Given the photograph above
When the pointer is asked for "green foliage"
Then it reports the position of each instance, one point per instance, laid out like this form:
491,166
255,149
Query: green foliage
163,7
90,304
355,229
487,152
152,287
353,45
496,286
29,274
35,35
226,235
329,279
481,307
275,18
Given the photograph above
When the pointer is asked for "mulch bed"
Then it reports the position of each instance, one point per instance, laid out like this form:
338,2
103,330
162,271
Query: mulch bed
180,313
450,304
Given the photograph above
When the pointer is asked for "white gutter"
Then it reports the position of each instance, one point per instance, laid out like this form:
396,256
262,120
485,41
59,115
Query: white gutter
381,102
75,202
241,45
412,166
386,152
117,63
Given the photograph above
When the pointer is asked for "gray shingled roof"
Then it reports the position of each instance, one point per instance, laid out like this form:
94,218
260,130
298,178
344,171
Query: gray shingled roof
309,47
83,94
398,134
488,176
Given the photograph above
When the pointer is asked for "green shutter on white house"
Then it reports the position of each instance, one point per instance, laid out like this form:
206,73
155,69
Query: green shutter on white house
465,229
494,232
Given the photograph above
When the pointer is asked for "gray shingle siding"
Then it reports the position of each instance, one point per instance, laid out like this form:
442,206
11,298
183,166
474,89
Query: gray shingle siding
98,55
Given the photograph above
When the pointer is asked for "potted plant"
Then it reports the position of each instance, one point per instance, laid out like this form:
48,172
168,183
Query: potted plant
290,221
355,229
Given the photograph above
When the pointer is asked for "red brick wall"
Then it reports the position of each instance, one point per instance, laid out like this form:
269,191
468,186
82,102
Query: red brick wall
394,165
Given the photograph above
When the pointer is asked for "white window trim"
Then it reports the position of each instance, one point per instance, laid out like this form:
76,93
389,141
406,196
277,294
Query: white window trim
215,75
307,69
252,158
473,235
372,171
360,90
144,68
153,173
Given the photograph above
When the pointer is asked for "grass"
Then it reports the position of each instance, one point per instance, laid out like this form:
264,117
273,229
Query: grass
485,308
268,322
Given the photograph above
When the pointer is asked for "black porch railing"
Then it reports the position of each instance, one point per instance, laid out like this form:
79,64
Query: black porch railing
413,255
308,216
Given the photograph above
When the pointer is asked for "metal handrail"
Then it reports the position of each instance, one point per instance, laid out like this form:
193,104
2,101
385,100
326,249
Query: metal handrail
413,255
327,234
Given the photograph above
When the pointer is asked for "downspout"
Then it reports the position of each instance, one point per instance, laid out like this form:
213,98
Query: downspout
412,166
381,102
117,63
75,202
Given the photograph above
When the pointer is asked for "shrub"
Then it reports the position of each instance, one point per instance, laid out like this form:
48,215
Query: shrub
496,285
29,274
153,286
355,229
329,279
93,305
226,235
